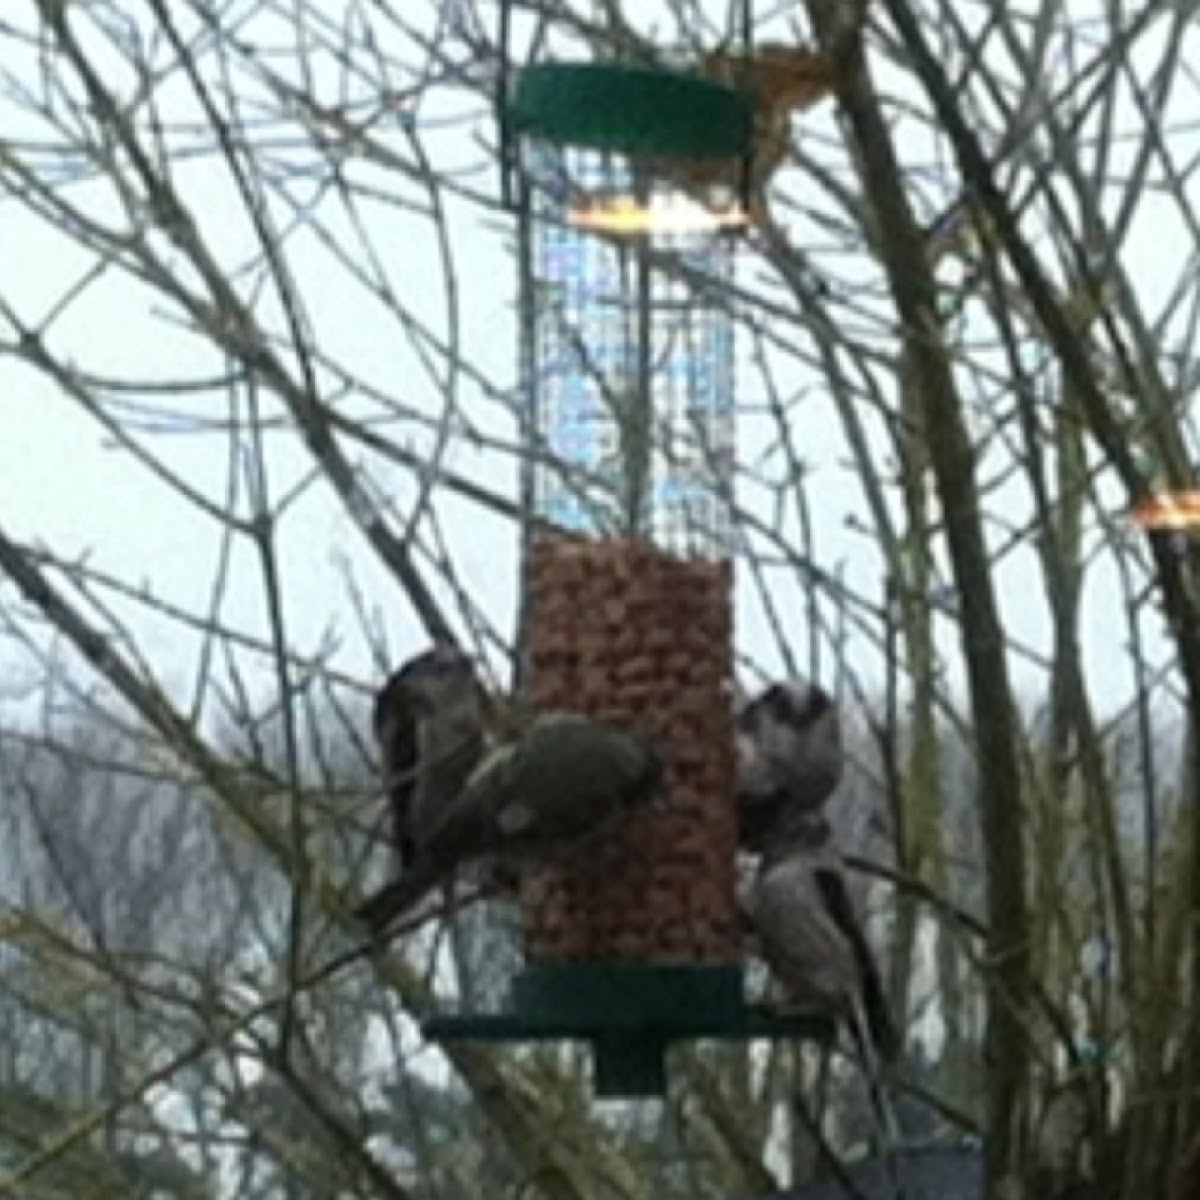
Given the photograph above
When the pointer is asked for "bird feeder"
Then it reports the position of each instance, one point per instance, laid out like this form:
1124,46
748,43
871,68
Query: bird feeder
638,946
628,382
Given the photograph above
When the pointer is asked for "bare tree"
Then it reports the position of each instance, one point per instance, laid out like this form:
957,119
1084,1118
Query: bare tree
259,347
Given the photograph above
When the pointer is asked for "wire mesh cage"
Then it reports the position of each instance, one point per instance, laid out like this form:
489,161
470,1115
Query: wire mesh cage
631,381
631,385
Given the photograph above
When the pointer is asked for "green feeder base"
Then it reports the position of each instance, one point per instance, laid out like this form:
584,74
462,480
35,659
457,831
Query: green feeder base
630,1013
632,110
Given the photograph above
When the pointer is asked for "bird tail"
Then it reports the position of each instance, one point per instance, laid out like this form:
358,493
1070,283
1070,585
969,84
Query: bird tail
885,1038
880,1025
871,1026
393,900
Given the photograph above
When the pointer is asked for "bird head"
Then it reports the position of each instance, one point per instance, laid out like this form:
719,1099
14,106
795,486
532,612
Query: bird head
439,678
796,703
789,744
788,708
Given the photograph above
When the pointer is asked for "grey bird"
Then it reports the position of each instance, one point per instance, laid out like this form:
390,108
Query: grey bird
429,724
789,756
536,799
801,913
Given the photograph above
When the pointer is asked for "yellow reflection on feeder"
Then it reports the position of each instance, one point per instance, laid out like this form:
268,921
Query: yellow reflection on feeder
670,212
1169,510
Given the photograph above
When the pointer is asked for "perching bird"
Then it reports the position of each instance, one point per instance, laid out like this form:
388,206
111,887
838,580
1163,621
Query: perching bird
531,801
429,724
809,936
789,755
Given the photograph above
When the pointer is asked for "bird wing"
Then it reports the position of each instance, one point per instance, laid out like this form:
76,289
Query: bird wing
800,942
556,782
577,772
837,902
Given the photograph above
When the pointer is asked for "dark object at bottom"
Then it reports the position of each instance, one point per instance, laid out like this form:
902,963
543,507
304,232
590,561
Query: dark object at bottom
630,1013
935,1172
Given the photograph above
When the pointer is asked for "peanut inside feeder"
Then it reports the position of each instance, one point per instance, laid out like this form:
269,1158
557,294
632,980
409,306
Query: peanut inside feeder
625,633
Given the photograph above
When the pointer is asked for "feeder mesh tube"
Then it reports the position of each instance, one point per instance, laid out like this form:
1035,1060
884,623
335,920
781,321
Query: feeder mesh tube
622,632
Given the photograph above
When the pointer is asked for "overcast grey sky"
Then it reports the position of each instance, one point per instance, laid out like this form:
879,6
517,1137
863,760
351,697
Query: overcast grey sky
65,482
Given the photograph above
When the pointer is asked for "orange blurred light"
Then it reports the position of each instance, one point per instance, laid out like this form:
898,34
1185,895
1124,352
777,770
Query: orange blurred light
1169,510
662,214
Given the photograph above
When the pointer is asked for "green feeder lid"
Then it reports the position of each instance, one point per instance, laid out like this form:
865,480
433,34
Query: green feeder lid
632,110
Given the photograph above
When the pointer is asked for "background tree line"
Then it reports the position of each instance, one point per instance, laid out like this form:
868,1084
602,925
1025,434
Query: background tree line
261,416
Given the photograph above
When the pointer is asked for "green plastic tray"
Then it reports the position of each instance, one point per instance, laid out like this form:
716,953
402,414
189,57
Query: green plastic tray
630,1013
